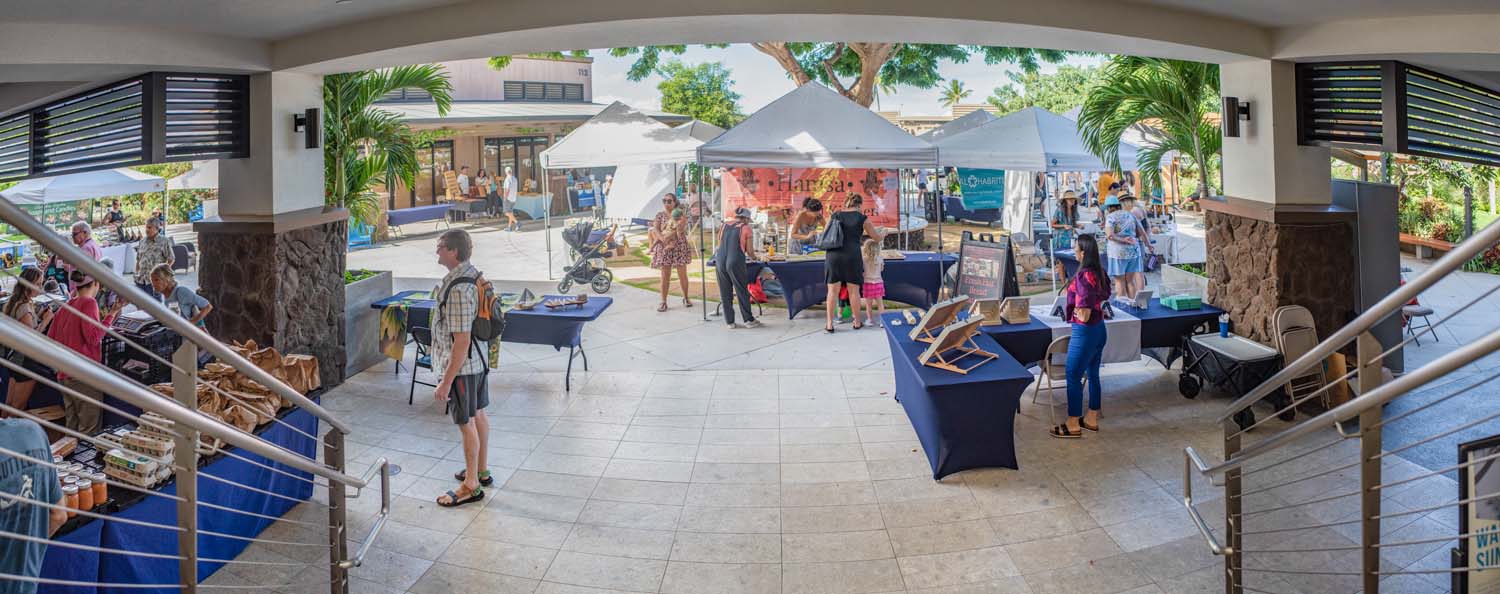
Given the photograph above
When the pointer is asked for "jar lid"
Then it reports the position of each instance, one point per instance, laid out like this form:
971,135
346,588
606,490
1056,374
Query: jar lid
70,489
85,484
69,480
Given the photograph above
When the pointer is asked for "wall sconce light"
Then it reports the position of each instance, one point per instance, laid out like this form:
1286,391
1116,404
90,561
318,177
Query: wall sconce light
1233,111
308,123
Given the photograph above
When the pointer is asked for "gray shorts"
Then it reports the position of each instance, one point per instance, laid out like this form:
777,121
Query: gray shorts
469,395
510,207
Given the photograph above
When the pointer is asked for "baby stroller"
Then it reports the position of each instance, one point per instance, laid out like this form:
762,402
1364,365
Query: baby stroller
588,245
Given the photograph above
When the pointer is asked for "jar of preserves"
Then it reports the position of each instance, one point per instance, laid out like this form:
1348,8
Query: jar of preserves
85,494
70,498
101,489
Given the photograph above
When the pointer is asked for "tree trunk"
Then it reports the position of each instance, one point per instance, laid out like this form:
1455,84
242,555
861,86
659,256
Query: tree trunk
1468,211
783,56
872,56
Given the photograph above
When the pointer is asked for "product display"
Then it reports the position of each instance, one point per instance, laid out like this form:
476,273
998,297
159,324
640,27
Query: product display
955,343
248,404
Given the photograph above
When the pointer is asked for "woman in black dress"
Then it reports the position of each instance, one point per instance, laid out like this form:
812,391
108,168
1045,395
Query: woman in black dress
844,265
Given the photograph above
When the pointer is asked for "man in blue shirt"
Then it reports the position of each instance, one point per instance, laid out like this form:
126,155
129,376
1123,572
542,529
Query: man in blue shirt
23,483
188,303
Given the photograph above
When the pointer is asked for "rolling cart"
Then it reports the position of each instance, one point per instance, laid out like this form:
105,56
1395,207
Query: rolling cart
1234,363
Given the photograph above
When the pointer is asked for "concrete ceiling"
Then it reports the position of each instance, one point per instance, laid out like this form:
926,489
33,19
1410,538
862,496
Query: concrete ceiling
1285,13
265,20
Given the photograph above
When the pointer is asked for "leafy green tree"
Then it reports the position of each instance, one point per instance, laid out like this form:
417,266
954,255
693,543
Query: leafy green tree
955,93
1465,177
1057,92
365,146
704,92
857,70
1175,97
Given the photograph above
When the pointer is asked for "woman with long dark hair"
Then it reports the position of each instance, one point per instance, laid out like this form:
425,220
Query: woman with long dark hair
1087,294
19,307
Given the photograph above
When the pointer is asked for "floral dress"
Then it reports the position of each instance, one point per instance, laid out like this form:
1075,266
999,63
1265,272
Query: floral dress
673,251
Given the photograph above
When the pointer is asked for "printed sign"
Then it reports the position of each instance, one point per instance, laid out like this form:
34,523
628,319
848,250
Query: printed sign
986,270
982,188
782,190
1481,518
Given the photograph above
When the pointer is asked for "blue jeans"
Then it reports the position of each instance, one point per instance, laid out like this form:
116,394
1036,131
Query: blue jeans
1085,354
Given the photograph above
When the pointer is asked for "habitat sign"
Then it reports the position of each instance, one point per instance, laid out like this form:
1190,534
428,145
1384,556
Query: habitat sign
982,188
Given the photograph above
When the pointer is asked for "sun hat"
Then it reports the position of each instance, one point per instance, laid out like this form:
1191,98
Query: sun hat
1111,201
742,212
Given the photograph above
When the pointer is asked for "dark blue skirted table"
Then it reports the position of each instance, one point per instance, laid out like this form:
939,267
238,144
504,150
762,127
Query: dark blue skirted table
963,420
556,328
1027,343
914,280
1162,332
1068,261
65,563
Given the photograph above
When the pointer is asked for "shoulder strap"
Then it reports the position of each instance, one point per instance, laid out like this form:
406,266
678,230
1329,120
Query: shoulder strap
462,280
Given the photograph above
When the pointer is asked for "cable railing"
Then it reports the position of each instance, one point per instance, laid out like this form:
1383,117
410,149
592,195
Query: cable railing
190,458
1329,504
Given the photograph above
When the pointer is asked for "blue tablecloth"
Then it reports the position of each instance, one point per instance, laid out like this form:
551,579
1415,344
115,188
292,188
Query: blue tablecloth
79,565
1068,261
1026,342
953,206
431,212
914,280
558,328
963,420
1161,328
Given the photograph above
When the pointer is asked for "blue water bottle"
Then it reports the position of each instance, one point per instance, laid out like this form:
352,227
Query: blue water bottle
1224,325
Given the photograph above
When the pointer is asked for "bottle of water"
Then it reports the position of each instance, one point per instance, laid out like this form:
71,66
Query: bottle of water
1224,325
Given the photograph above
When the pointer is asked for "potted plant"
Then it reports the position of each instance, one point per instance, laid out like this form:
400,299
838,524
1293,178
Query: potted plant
1185,278
361,323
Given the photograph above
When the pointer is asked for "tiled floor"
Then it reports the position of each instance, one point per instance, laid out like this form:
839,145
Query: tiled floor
695,460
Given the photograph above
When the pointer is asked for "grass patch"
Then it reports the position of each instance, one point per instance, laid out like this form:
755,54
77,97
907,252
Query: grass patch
1193,268
354,276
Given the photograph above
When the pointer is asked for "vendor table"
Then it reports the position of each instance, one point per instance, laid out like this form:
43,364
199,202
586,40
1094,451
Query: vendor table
66,563
914,280
557,328
1068,261
962,420
1161,331
1030,340
416,214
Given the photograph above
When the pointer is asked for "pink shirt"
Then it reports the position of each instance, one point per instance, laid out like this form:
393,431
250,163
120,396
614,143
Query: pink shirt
75,333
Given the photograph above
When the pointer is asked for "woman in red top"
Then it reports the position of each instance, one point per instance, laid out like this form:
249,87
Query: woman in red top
1087,292
85,337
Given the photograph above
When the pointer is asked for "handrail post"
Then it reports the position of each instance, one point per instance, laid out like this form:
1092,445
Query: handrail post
1367,352
1233,581
338,536
185,447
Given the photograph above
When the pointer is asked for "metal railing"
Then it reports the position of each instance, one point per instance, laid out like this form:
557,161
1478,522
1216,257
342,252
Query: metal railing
189,427
1305,507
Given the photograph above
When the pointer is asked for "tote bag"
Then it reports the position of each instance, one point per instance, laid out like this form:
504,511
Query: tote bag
832,236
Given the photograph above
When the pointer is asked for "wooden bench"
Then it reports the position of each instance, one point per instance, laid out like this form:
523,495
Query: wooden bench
1424,247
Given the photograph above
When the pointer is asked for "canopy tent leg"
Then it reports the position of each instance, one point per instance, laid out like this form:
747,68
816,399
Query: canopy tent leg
547,232
702,258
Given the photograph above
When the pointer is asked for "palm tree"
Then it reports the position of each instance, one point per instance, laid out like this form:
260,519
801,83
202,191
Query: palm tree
955,93
1173,96
365,146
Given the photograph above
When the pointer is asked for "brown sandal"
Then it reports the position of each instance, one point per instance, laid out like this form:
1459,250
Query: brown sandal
662,307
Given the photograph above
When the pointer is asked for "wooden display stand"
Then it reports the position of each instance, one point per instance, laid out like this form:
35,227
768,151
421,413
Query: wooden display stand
955,344
937,319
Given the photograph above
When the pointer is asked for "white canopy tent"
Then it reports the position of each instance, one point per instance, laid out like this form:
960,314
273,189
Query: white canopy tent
814,127
974,119
620,136
203,176
1032,139
82,186
699,129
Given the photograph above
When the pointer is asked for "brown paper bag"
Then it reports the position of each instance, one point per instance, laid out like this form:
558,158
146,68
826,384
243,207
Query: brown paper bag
1338,391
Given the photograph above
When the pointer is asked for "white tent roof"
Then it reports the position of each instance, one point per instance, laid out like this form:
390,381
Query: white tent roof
812,126
1032,139
203,176
700,129
1133,135
82,186
974,119
620,135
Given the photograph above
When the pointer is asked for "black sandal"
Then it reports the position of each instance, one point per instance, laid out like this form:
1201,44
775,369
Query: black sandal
454,501
828,329
1094,428
485,480
1062,432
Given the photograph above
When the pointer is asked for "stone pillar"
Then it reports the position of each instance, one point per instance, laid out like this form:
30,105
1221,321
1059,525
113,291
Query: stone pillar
1273,239
272,262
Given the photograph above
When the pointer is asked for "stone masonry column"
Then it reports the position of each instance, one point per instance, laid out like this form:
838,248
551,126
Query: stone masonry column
272,262
1274,239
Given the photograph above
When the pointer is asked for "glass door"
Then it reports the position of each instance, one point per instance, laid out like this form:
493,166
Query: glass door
431,163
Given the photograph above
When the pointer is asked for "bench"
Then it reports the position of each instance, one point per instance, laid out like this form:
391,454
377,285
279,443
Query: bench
1424,247
432,212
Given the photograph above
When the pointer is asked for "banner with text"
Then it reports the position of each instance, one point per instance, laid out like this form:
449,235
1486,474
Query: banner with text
982,188
773,189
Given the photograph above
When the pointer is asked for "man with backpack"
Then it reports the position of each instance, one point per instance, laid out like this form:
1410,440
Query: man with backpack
463,385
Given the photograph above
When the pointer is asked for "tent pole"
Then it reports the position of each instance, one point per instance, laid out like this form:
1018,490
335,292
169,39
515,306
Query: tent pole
547,232
702,258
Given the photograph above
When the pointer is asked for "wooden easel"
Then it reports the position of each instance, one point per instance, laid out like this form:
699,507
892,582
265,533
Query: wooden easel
947,359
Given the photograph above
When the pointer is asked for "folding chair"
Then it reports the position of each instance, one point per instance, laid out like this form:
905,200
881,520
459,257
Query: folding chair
423,337
1053,368
1413,311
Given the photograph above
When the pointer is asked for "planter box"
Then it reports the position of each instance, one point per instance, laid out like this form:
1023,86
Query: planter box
362,324
1177,280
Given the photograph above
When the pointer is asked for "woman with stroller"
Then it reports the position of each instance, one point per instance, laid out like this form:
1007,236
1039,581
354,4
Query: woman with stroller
670,249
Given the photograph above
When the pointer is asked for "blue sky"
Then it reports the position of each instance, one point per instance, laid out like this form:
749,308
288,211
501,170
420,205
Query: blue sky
759,80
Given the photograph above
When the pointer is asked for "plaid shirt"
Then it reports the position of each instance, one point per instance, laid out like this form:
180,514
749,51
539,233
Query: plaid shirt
148,254
457,316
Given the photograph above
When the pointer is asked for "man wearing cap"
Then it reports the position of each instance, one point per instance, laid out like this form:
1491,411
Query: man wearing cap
732,268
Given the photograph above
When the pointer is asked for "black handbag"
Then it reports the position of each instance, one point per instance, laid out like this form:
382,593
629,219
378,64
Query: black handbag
832,236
